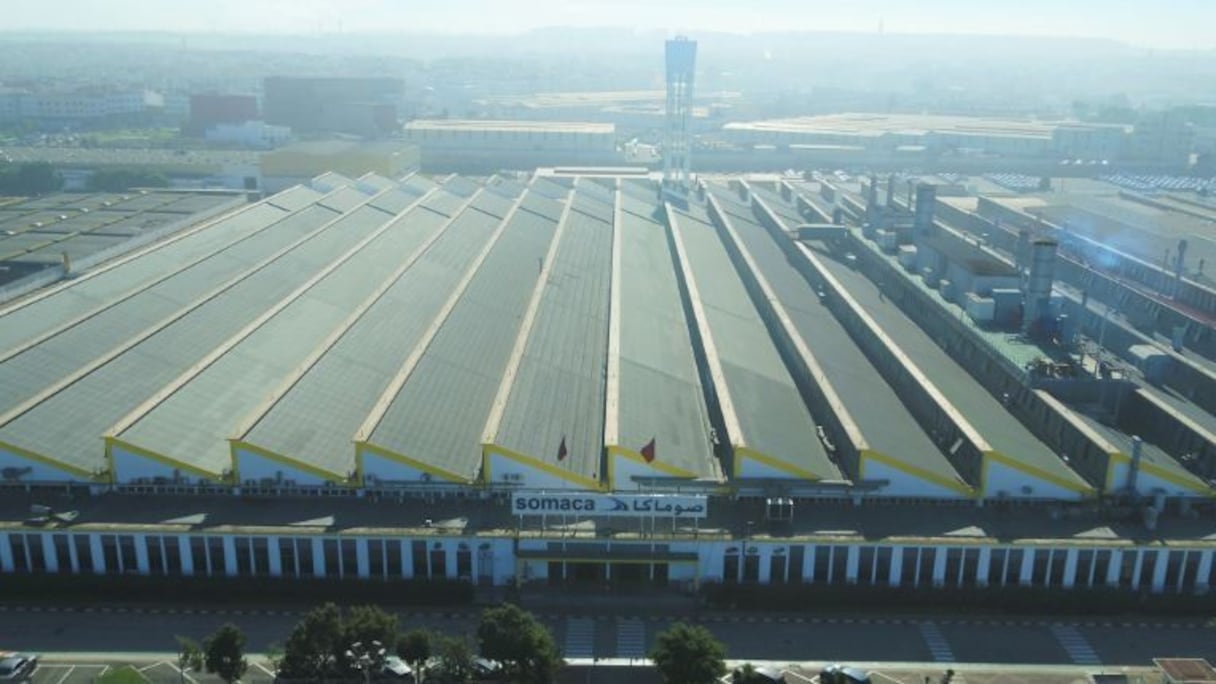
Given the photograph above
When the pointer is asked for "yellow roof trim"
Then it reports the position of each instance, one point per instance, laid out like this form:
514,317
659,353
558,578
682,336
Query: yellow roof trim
630,454
1080,488
746,452
160,458
388,454
533,462
915,471
335,478
56,464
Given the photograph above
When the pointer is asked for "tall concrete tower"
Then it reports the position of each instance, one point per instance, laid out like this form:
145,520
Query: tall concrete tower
681,65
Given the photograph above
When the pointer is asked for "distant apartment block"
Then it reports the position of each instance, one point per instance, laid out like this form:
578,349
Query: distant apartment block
475,146
208,110
359,106
82,107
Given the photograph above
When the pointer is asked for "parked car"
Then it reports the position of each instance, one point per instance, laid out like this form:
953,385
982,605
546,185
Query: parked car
396,670
843,674
17,667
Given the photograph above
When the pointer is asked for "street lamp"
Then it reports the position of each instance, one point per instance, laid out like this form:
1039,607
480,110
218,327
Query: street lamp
364,658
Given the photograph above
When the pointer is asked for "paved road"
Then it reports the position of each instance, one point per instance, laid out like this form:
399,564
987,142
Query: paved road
872,639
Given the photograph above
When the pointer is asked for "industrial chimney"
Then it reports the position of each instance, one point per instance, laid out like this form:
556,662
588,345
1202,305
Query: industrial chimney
926,196
1036,300
890,191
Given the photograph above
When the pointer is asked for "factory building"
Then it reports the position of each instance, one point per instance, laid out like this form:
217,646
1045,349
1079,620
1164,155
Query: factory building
477,146
365,106
430,377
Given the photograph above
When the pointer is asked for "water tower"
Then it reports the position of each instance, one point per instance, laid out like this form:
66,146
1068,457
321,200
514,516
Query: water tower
677,148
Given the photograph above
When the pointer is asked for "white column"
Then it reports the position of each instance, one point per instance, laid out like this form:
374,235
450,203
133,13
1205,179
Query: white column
1163,559
272,553
982,566
407,559
187,554
766,564
141,553
99,556
1027,571
318,557
851,561
6,554
230,567
897,566
1137,569
808,564
939,566
72,557
1114,568
1203,571
49,555
1070,568
449,560
364,567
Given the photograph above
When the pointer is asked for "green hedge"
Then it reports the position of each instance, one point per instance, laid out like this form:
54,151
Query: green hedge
80,589
809,598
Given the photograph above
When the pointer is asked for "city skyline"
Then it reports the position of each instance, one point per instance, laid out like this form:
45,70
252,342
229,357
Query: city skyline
1175,24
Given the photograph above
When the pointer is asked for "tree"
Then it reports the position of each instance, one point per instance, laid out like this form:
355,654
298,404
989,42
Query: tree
453,660
189,656
415,647
368,626
685,654
224,653
313,645
523,646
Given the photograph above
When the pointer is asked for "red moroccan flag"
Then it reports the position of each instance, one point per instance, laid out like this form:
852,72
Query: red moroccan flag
561,450
648,451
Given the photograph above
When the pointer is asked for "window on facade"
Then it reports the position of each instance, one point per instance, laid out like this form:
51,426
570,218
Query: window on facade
244,557
1013,568
928,557
776,568
422,569
797,559
261,557
21,559
865,565
1173,569
1042,561
970,569
840,564
350,558
1148,568
1127,571
84,553
304,557
198,556
1059,562
1190,568
393,559
1101,567
751,566
909,564
173,556
730,566
156,558
109,552
332,559
464,562
996,567
882,565
126,550
1085,568
375,558
439,561
217,564
63,554
954,562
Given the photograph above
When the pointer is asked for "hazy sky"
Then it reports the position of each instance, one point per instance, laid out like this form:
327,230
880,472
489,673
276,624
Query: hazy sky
1159,23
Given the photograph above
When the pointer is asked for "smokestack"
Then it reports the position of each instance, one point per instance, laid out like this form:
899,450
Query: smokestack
890,191
1133,468
1180,262
1037,295
926,196
872,200
66,264
1022,256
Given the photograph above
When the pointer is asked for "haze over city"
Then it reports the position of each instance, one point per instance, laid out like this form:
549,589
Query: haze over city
1171,24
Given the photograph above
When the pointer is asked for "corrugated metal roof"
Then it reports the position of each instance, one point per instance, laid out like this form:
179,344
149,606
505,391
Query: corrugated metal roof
884,421
767,405
660,390
558,391
195,421
438,415
21,324
100,399
321,413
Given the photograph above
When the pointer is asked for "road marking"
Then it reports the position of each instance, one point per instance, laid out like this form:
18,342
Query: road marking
939,648
67,674
1075,645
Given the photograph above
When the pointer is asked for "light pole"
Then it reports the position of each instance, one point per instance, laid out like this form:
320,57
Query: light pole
364,658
